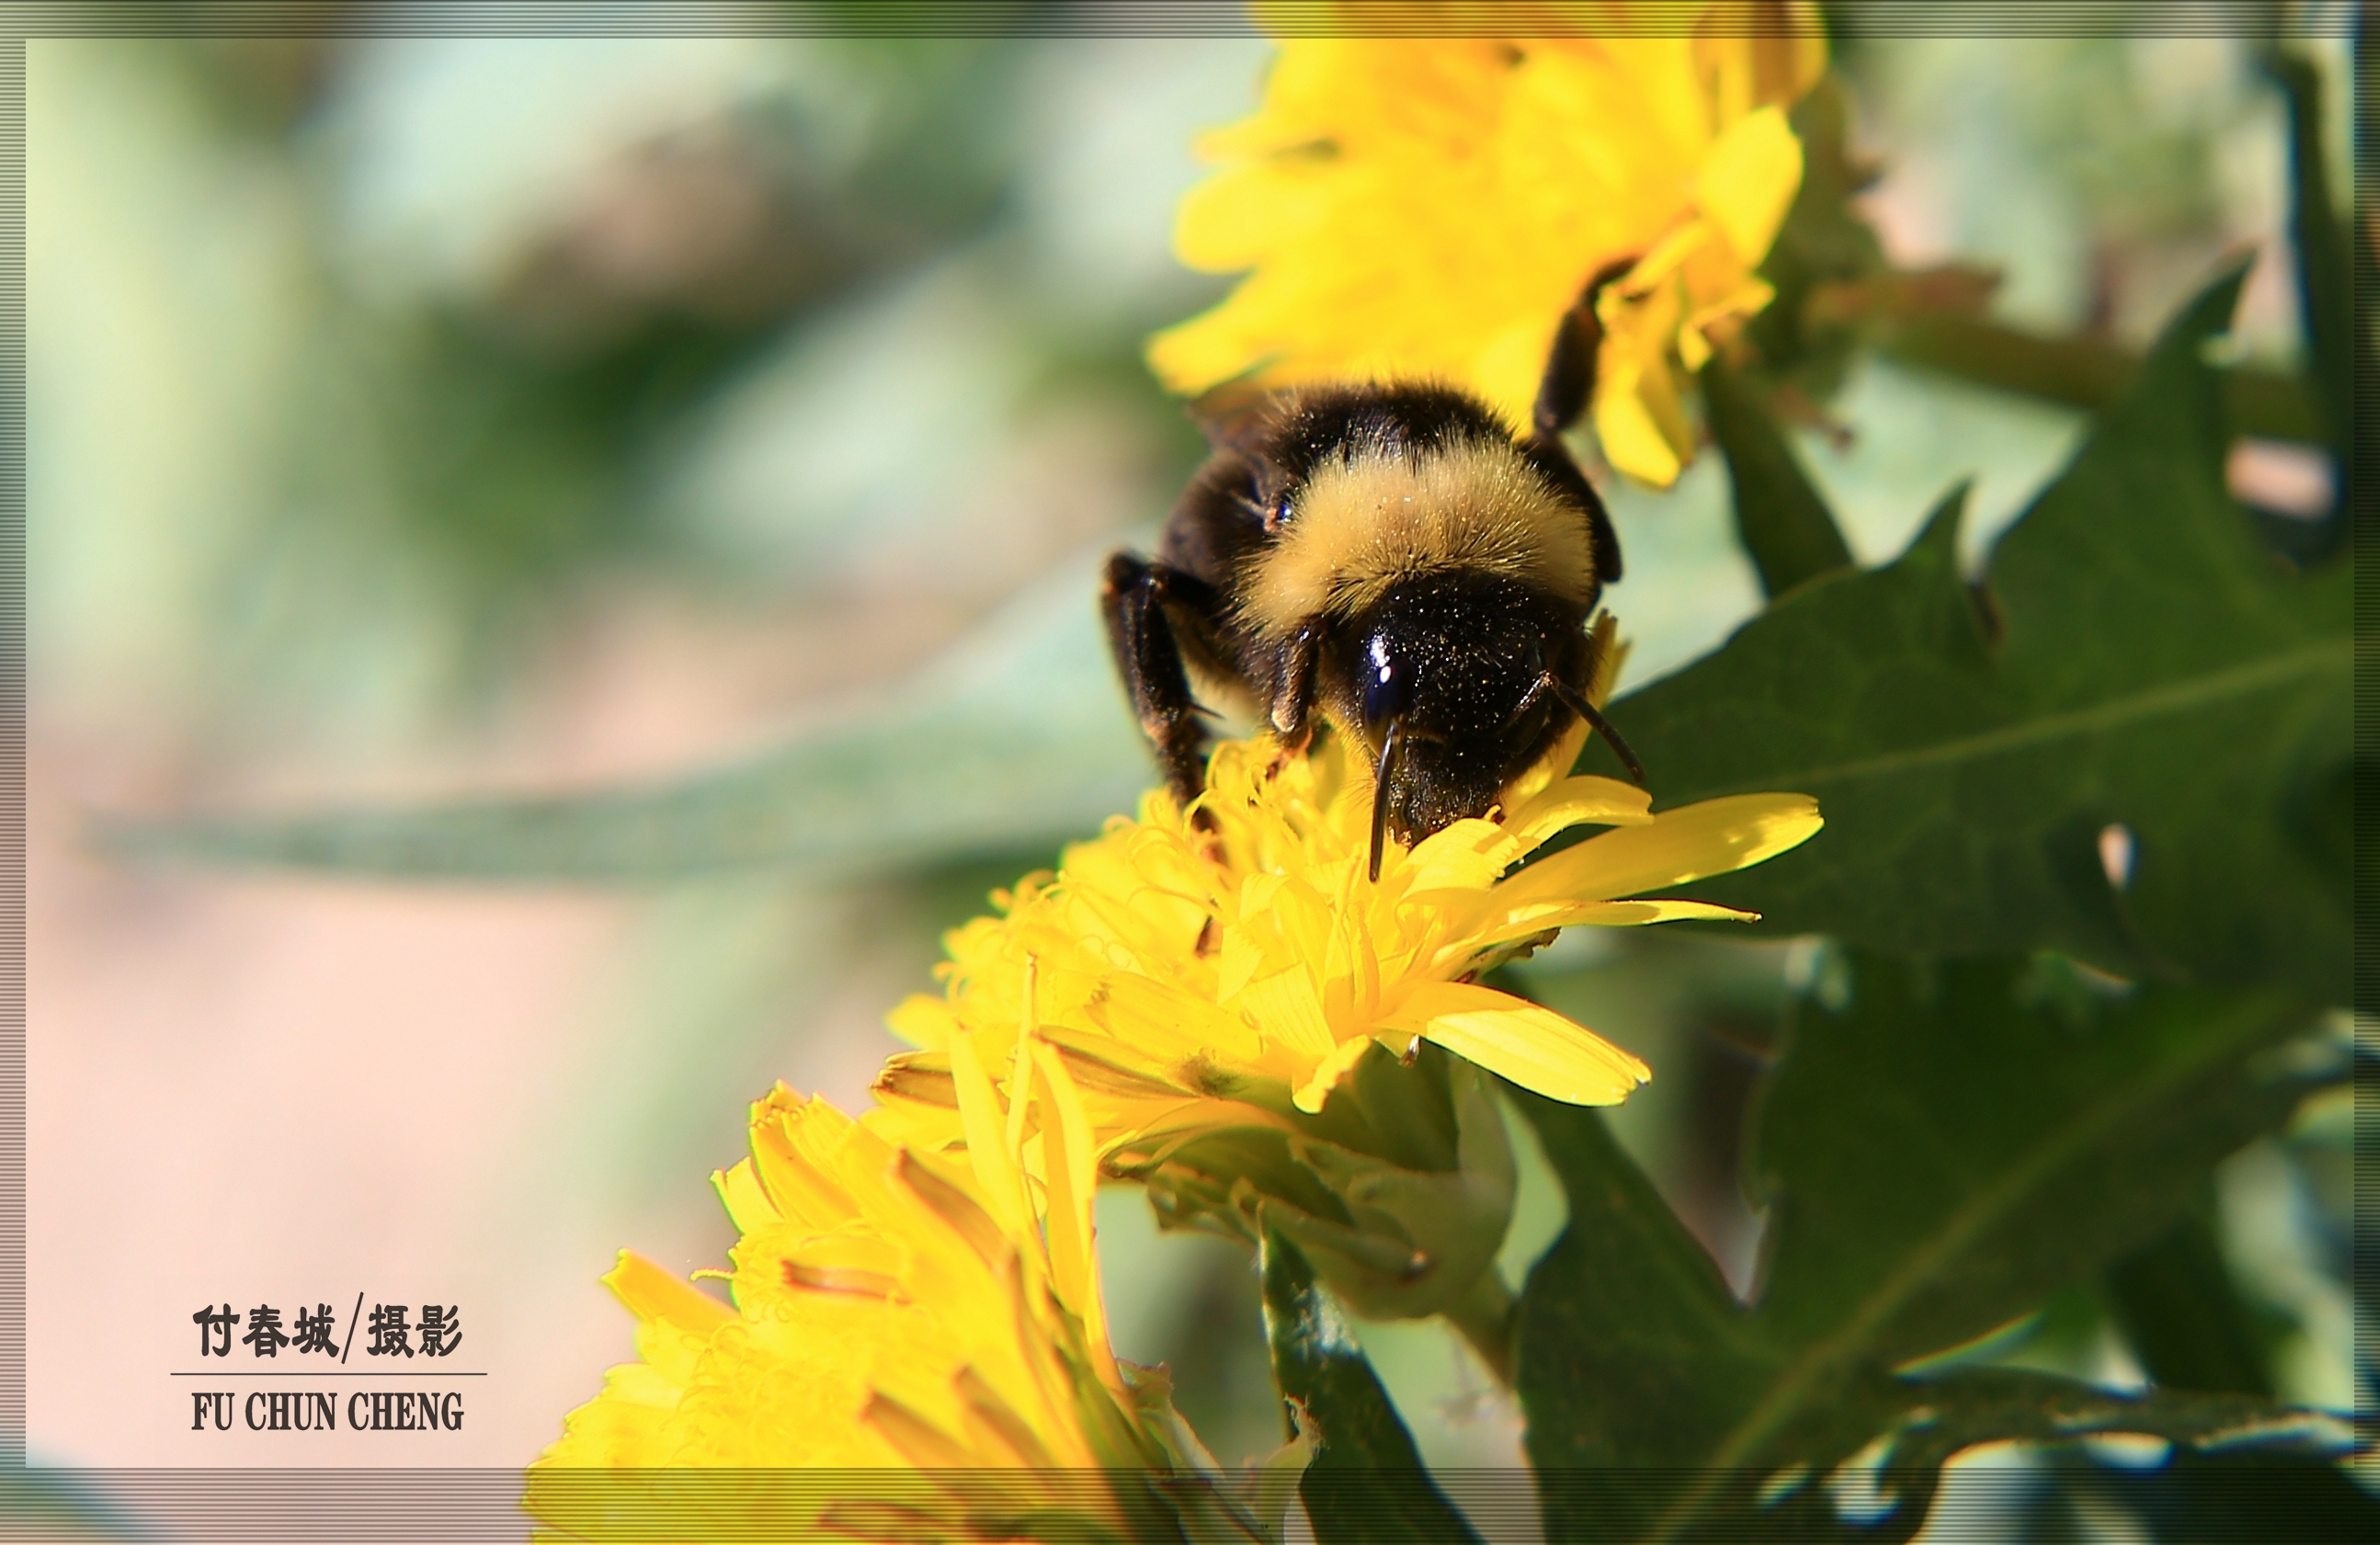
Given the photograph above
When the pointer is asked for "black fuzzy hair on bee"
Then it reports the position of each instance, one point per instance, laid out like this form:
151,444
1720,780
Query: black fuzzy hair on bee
1390,558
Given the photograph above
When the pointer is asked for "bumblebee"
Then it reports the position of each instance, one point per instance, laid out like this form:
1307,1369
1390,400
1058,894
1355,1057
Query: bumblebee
1394,561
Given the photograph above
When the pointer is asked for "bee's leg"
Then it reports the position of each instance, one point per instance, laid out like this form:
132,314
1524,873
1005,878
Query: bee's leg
1569,379
1133,601
1562,394
1292,686
1574,683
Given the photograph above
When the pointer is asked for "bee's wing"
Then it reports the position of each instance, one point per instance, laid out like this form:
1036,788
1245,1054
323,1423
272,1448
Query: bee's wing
1232,417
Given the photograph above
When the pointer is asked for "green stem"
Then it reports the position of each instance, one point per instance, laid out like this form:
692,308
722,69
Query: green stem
1484,1315
2091,373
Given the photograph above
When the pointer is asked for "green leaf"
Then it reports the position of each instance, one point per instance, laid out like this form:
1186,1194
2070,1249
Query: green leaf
1938,1154
1366,1482
2154,669
2182,1313
1016,740
1785,525
1983,1405
2325,263
2227,1495
1958,1140
1633,1358
1889,1486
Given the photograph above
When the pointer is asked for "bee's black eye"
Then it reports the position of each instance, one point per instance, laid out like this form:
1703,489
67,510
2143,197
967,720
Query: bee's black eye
1384,683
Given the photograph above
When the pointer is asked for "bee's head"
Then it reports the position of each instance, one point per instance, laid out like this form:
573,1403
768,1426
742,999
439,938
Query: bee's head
1448,681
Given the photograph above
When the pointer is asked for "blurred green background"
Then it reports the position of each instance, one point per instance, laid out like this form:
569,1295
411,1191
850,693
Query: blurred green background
417,419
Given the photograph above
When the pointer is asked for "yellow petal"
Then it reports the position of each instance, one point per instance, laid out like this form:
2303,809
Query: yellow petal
748,1204
924,1077
1337,1066
940,1188
1636,915
1108,1064
1521,922
918,1440
1530,1045
1638,418
1556,763
1165,1023
654,1293
1669,255
1744,299
1509,368
1072,1176
1713,838
799,1150
1150,1121
1284,1004
1577,801
923,1021
1748,181
996,1174
1467,855
1631,436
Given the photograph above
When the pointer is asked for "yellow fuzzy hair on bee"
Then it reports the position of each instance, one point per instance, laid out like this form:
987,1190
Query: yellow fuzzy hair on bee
1381,516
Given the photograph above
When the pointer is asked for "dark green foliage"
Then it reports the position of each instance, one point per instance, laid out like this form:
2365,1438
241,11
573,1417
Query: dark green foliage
2204,1499
2183,1314
2135,658
1633,1358
517,463
1365,1482
2326,276
1937,1155
1785,525
1943,1152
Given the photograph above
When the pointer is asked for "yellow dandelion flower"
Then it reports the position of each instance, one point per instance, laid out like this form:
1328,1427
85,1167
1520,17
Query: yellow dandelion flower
1197,979
924,1330
1437,207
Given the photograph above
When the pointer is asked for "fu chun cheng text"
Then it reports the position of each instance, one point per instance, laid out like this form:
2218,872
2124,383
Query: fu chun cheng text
370,1368
323,1410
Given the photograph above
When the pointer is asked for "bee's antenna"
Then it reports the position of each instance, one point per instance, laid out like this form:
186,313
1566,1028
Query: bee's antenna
1575,701
1389,746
